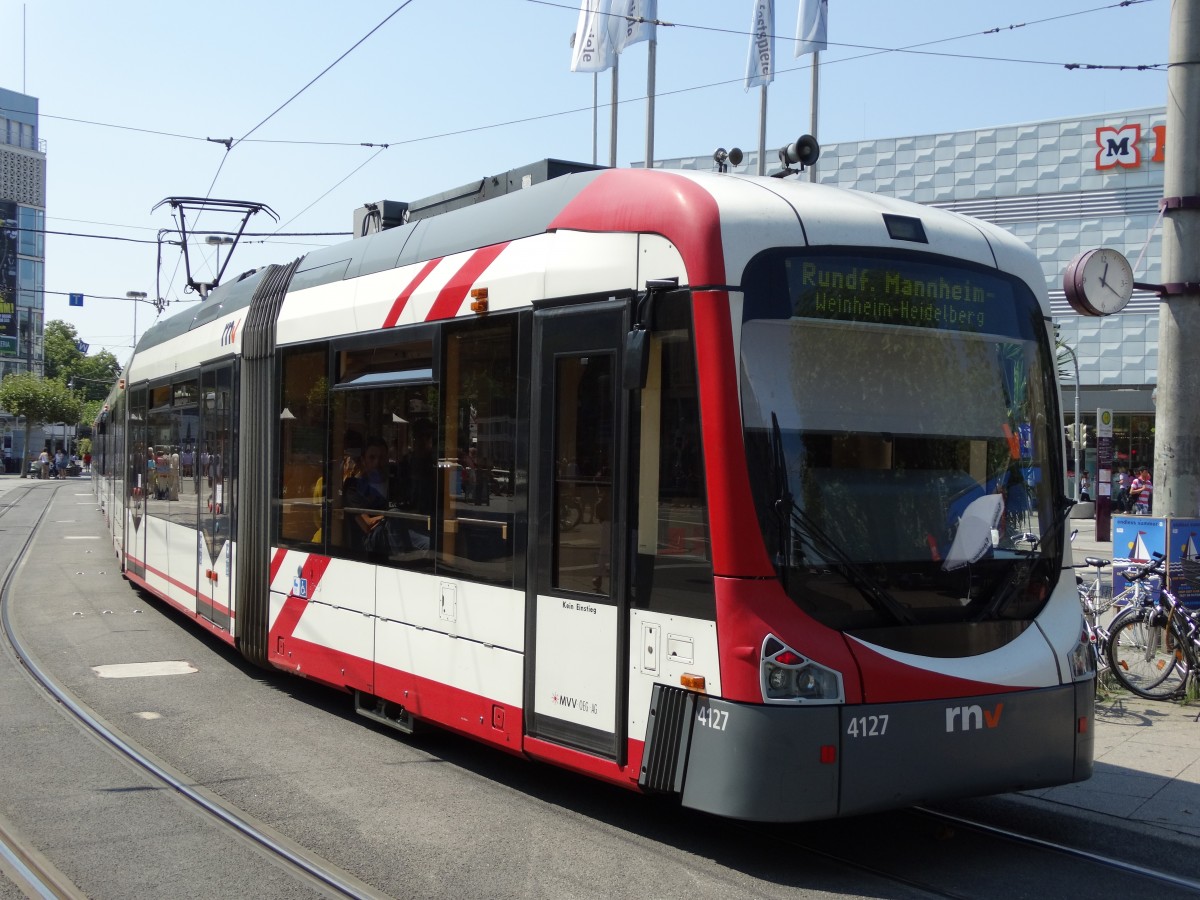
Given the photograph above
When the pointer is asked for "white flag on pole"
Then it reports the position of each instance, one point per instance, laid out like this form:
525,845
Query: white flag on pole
638,22
811,26
760,63
593,50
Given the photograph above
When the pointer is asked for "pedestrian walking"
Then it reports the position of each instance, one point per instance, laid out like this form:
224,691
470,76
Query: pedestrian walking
1122,491
1141,493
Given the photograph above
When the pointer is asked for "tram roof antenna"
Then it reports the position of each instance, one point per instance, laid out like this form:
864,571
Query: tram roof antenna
208,204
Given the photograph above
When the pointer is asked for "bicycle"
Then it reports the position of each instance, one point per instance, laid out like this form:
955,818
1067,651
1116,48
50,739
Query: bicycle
1153,647
1095,595
1096,598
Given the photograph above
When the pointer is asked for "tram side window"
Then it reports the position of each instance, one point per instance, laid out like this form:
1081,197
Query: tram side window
159,443
182,483
136,463
114,441
477,453
218,457
303,438
673,571
382,469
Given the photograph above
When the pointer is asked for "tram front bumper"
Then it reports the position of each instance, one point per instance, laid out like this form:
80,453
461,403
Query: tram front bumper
797,763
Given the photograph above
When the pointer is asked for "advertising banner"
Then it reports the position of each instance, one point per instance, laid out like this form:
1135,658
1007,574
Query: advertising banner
1184,544
1135,540
8,279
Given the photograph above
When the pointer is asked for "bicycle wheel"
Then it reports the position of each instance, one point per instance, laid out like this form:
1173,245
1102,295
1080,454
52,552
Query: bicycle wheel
1147,659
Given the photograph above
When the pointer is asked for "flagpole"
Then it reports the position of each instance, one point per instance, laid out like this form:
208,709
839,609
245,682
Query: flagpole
816,77
762,133
595,114
651,50
612,138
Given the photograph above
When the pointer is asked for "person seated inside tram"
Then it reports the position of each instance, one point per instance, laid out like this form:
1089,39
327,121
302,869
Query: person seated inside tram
368,498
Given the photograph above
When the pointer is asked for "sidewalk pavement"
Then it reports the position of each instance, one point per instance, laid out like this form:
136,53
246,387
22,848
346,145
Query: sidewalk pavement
1147,752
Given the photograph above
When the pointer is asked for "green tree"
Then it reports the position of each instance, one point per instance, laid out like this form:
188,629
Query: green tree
39,401
91,376
94,376
59,347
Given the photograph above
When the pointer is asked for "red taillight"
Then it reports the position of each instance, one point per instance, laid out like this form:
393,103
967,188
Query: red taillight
788,658
828,754
1083,725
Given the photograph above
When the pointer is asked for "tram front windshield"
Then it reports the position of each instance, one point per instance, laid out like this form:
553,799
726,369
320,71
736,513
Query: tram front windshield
902,431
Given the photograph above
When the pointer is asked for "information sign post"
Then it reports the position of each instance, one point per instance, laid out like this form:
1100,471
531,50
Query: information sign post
1104,464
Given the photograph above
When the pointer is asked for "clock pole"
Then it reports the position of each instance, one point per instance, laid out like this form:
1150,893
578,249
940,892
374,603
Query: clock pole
1177,422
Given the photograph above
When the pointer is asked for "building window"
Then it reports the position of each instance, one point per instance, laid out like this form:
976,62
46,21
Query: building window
32,239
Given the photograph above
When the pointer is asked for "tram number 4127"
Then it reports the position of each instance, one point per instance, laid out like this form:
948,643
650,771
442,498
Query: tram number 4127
715,719
867,726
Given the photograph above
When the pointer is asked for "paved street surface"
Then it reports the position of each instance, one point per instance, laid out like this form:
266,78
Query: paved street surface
374,808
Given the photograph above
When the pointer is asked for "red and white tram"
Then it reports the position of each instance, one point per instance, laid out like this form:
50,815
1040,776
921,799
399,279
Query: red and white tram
741,488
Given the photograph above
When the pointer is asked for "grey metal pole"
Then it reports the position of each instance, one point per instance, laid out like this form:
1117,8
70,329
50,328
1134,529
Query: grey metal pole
1078,435
595,115
650,65
762,133
612,137
1177,425
812,128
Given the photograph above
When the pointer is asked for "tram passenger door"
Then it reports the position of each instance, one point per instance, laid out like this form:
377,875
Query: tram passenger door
578,606
211,473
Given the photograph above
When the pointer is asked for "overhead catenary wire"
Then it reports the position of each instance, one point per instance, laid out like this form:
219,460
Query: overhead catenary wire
873,50
916,49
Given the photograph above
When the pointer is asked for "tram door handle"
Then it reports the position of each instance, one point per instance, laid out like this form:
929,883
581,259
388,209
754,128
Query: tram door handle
650,635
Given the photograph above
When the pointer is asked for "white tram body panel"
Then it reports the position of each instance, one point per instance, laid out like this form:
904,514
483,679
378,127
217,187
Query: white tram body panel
553,673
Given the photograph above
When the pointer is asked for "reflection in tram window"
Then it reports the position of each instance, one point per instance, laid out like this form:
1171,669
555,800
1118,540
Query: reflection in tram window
583,413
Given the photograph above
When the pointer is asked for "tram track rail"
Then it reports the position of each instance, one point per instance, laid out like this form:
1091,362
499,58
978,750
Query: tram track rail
909,875
1119,865
914,858
26,865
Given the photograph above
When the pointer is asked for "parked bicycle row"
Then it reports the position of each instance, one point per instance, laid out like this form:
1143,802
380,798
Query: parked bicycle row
1151,644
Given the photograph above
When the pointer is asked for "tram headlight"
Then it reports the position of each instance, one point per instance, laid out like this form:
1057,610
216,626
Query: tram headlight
788,677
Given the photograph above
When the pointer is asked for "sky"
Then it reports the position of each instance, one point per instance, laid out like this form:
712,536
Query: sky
132,93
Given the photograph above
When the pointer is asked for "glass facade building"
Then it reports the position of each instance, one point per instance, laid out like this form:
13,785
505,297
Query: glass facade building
22,250
1062,186
22,238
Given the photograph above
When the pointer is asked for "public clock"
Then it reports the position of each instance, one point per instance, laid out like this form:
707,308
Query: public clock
1098,282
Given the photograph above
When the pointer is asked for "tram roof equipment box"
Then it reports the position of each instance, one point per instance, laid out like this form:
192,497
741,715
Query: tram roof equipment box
389,213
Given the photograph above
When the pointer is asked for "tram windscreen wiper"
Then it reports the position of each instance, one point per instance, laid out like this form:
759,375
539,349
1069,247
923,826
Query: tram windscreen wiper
833,555
794,520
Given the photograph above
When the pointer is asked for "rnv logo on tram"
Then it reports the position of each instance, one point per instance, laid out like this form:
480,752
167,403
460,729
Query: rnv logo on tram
972,717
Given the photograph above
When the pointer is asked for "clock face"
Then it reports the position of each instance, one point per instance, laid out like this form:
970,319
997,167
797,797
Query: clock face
1099,282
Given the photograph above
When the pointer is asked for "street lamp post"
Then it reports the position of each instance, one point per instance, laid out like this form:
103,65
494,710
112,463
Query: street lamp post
136,297
218,241
215,240
1078,442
